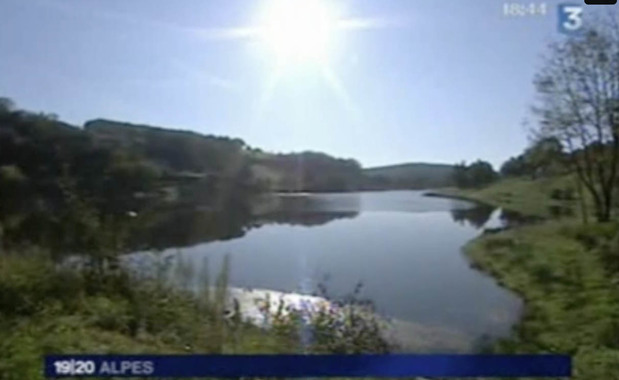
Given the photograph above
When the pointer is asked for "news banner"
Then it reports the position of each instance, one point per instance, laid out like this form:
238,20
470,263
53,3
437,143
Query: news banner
308,365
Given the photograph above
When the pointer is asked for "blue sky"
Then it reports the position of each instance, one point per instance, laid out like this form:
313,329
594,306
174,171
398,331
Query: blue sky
437,82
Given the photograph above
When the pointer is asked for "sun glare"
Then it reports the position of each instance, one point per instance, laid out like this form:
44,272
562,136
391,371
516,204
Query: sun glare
298,30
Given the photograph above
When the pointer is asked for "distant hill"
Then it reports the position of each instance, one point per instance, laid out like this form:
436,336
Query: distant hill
410,176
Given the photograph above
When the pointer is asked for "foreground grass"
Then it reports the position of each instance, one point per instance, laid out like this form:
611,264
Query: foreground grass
566,272
47,309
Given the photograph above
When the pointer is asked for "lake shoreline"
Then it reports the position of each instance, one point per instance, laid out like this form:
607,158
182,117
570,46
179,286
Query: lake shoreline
391,222
475,254
560,269
352,191
460,197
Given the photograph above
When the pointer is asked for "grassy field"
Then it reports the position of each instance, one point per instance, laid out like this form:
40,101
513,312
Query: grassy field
567,273
541,197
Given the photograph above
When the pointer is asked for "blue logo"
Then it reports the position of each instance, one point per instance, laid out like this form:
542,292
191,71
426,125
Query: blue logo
570,18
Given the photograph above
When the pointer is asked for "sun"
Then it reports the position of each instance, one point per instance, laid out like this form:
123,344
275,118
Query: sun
298,30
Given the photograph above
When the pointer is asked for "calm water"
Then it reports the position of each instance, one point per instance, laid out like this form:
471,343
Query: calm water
404,248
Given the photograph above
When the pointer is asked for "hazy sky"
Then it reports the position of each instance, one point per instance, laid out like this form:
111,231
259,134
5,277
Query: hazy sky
436,81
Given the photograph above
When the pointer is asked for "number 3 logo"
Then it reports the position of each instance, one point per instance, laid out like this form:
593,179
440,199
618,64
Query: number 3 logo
570,18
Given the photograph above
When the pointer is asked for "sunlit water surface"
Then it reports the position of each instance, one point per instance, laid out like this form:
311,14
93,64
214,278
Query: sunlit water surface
404,248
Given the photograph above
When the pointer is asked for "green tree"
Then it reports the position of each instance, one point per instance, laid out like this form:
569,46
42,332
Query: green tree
515,167
545,157
479,173
461,177
578,88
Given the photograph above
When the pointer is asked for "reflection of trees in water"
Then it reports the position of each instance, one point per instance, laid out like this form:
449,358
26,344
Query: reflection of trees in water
316,203
314,210
476,216
191,225
479,215
186,227
308,219
220,215
214,213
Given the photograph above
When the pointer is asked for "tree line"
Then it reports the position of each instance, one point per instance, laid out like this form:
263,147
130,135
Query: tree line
50,169
543,158
577,108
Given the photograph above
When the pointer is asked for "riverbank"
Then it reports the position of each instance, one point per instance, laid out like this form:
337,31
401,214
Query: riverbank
566,272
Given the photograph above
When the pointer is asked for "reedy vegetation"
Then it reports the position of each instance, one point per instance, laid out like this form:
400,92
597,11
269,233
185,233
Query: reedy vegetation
84,307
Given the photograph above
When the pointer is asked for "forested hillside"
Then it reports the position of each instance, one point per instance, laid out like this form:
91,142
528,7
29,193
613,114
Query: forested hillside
119,166
308,171
172,150
191,154
409,176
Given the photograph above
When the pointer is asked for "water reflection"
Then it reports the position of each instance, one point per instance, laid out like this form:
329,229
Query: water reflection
183,227
476,216
404,247
479,215
308,219
306,210
161,229
176,225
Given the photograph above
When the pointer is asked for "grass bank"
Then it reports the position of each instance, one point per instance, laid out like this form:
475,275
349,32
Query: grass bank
542,197
566,272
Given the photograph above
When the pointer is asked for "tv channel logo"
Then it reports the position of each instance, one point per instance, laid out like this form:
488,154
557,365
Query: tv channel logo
570,18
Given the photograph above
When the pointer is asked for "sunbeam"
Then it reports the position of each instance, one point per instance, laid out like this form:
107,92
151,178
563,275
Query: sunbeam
267,93
299,32
340,91
367,23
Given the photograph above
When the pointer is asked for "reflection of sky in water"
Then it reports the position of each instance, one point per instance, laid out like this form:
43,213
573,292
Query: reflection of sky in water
409,261
395,201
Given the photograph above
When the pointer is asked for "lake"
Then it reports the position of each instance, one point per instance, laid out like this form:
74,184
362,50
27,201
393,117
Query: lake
404,248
